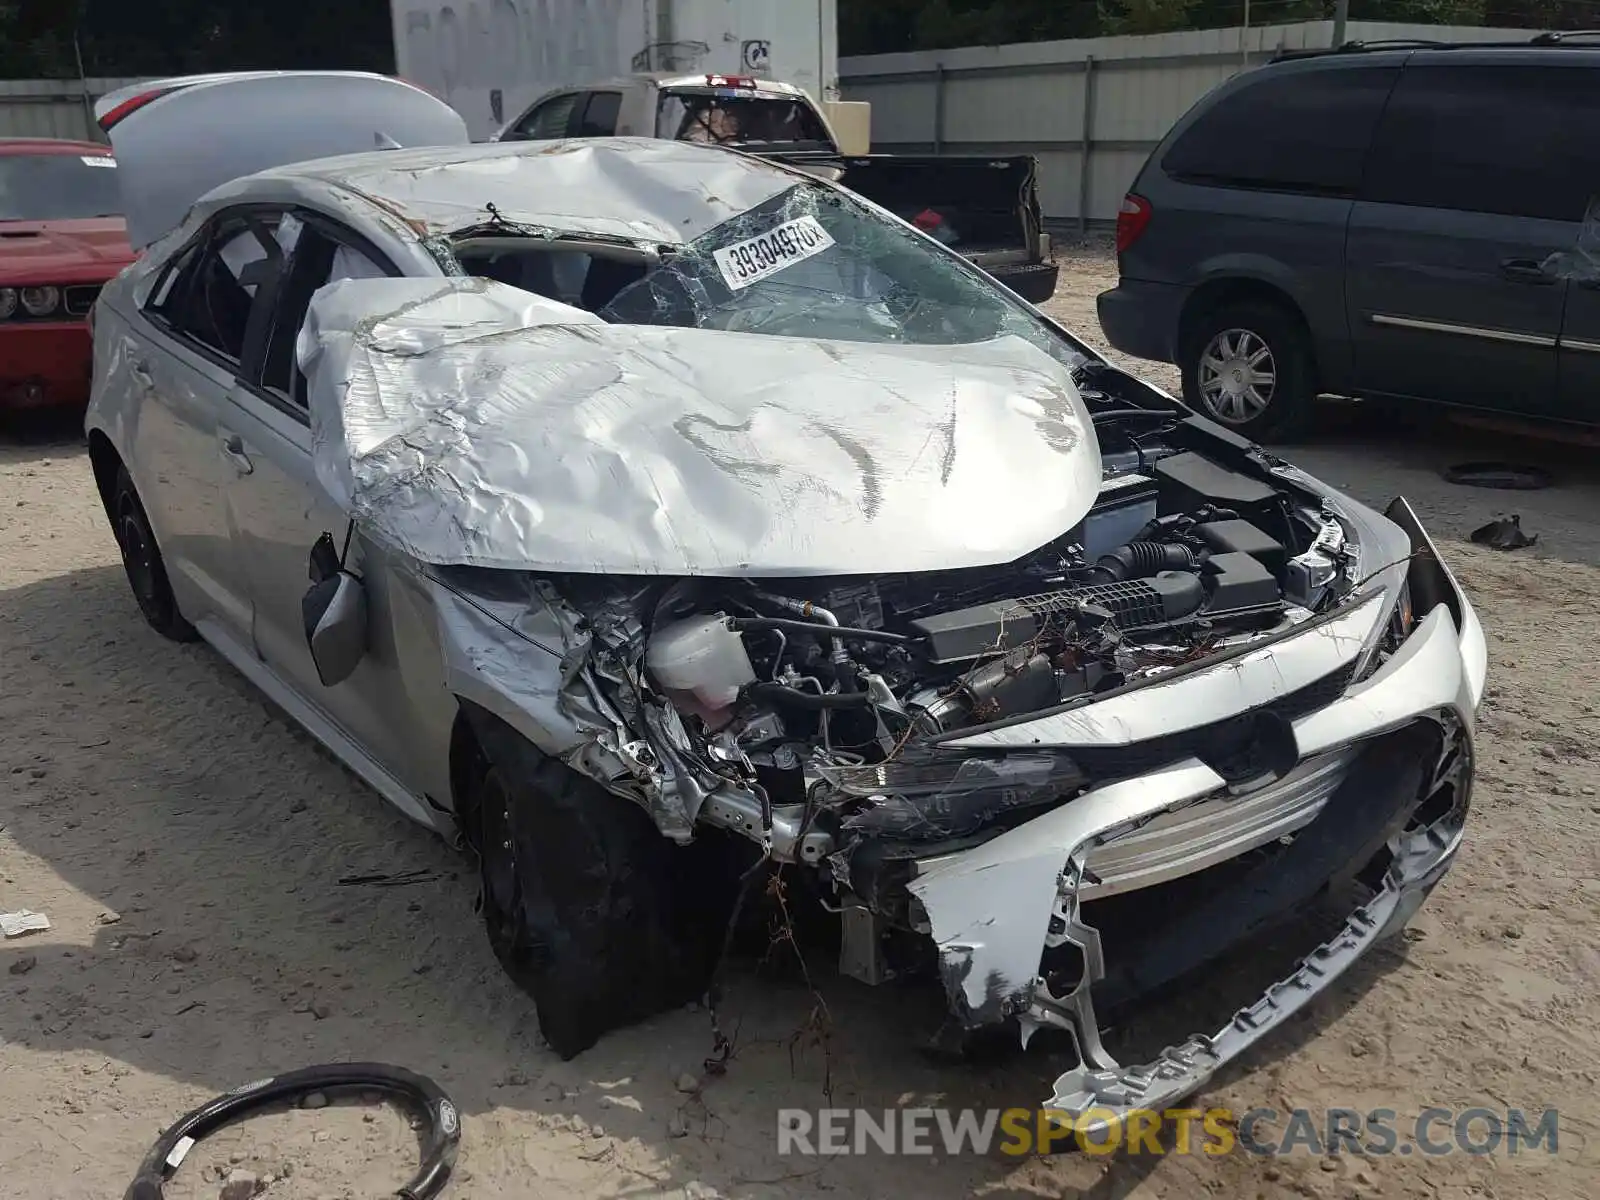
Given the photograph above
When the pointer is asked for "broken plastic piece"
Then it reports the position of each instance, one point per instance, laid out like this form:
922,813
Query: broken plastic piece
439,1141
15,924
1503,533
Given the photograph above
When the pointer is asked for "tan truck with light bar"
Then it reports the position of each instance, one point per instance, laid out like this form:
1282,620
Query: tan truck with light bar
986,208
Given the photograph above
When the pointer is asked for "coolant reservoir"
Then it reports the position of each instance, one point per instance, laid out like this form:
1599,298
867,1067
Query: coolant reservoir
700,659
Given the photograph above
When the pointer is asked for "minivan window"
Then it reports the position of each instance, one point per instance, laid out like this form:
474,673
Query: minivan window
1296,131
1515,141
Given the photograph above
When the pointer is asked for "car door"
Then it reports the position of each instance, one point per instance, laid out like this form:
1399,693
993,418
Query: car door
201,316
278,510
1472,184
1579,353
548,119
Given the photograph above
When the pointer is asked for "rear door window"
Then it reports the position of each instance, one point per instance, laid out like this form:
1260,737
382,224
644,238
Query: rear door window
547,120
1515,141
600,111
1304,131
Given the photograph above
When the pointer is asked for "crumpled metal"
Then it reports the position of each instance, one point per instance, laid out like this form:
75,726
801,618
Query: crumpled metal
472,423
639,189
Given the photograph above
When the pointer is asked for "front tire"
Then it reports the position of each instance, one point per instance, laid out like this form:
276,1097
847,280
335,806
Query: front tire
141,560
588,907
1249,366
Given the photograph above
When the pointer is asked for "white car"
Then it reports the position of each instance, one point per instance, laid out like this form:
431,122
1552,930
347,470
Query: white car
670,513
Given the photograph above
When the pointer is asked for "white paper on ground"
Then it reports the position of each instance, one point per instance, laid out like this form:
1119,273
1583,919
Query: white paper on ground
15,924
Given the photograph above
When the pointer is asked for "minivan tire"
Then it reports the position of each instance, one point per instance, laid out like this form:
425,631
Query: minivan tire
588,908
1251,325
142,562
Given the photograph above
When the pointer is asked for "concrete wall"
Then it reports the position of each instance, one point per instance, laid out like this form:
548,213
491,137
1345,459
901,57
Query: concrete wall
1091,109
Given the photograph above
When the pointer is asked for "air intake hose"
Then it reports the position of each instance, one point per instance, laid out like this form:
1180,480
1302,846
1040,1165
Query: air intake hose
1141,560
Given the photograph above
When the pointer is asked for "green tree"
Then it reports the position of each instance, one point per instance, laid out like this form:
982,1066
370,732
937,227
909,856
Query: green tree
1144,16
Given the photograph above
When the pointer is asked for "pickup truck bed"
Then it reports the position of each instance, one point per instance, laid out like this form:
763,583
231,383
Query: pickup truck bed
984,208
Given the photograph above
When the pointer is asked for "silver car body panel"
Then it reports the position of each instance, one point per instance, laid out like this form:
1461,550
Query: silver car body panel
473,424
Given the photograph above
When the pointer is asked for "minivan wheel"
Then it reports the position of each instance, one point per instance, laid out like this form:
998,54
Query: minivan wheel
1248,366
588,908
141,560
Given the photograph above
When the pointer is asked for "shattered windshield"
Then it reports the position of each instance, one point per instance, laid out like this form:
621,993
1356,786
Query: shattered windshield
812,262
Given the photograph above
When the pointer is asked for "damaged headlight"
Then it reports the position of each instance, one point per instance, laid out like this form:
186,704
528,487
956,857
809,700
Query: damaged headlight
933,796
1381,562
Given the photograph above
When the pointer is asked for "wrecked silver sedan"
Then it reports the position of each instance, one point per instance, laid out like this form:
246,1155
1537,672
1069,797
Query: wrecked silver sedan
668,513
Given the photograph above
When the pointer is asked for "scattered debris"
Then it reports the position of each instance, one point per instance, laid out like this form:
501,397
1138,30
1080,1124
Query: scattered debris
240,1185
24,964
1503,533
108,918
398,879
1503,476
688,1084
15,924
314,1100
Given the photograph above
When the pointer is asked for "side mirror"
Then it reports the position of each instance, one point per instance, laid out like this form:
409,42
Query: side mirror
334,611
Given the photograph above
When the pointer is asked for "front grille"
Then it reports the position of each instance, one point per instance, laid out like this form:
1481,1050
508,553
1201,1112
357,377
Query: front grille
78,300
1232,747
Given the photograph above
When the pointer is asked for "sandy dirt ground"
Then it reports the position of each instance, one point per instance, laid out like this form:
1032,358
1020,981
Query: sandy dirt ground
187,843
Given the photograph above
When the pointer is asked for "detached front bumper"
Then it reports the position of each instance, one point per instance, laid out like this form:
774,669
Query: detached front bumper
1384,785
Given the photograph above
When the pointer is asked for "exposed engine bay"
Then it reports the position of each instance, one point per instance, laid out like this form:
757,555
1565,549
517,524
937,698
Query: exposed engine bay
812,715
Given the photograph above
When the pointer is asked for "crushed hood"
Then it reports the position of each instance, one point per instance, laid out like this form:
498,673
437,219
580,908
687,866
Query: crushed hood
472,423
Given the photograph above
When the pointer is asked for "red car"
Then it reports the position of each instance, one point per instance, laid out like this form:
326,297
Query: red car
61,238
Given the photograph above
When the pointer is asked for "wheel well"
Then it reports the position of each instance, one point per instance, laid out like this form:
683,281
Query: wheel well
105,461
466,766
1220,292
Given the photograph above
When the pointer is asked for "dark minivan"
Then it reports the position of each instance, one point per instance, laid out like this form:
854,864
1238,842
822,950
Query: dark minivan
1397,222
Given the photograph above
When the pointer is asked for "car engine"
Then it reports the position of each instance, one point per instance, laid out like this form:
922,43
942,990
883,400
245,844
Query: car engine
826,699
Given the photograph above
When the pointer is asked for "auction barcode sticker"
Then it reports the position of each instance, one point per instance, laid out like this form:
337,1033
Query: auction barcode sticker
752,260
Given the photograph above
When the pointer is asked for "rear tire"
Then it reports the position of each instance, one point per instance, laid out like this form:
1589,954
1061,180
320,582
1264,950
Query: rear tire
589,909
141,560
1248,366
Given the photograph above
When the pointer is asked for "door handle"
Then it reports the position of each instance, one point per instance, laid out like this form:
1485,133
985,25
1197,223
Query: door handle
233,451
1525,270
